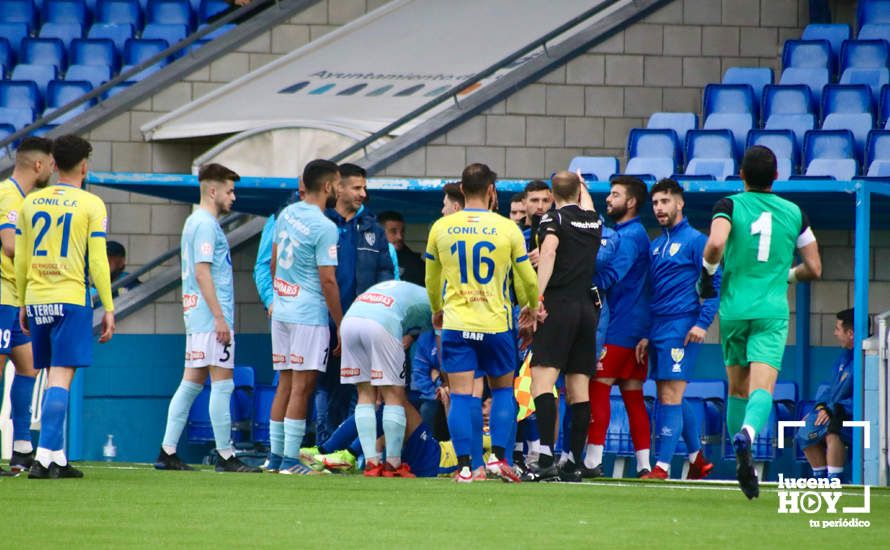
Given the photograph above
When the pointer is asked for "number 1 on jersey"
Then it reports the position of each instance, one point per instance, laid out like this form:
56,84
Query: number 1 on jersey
764,227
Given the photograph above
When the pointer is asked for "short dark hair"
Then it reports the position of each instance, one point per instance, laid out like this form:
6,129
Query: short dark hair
390,216
518,197
476,179
634,186
759,167
114,248
317,172
536,185
40,144
846,318
349,170
69,150
666,185
454,194
217,172
566,185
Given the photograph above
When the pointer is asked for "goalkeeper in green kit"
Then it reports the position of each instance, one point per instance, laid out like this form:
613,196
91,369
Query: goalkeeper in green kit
755,233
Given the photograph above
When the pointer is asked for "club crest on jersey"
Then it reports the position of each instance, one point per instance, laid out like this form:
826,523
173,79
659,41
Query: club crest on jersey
675,247
370,238
12,216
677,354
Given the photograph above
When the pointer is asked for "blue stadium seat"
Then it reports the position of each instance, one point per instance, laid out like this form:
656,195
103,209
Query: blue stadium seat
814,79
262,409
783,144
798,124
807,54
6,130
756,77
116,89
737,123
63,92
728,98
43,51
14,33
7,56
39,74
679,122
830,153
121,12
864,54
117,33
19,11
874,32
171,12
65,11
169,33
870,12
785,400
712,393
66,32
199,429
787,100
96,75
94,51
141,75
618,440
654,152
847,98
858,123
834,33
710,153
764,446
136,51
598,168
16,116
884,106
873,78
2,71
209,8
877,154
20,94
219,31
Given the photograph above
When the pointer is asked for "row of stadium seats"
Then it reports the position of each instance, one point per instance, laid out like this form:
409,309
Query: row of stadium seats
133,12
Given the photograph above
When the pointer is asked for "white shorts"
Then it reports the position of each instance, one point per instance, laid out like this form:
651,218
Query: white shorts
203,350
370,354
300,347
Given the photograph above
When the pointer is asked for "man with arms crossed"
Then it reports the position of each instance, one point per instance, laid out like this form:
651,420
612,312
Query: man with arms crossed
58,231
755,233
208,307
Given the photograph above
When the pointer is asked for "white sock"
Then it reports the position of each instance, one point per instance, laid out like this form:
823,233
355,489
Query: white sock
60,458
693,456
44,457
818,471
22,446
664,466
835,469
169,449
534,447
517,447
594,455
643,460
750,431
545,450
226,453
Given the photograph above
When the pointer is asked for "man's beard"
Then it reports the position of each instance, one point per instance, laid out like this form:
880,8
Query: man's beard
617,212
40,184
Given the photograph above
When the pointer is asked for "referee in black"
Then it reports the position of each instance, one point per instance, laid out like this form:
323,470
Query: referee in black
565,340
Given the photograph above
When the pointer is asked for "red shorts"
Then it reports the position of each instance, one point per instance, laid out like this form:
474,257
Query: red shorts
620,363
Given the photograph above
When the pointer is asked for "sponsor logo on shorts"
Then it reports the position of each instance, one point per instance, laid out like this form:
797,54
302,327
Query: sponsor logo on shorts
376,374
349,372
45,314
189,301
375,298
194,356
677,354
296,359
278,358
284,288
475,336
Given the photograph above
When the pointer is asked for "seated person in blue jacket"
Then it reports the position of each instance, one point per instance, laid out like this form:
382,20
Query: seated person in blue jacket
823,438
117,263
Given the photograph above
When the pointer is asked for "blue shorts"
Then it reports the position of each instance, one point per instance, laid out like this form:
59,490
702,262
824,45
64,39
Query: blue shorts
669,358
812,434
62,335
11,335
421,451
490,354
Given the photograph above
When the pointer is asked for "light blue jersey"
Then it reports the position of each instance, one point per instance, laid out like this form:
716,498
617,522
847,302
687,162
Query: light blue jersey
401,307
305,240
203,241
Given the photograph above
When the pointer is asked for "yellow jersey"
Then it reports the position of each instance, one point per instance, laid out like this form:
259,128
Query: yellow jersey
11,197
60,231
470,254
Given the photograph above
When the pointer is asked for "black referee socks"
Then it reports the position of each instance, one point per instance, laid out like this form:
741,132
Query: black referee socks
545,410
580,415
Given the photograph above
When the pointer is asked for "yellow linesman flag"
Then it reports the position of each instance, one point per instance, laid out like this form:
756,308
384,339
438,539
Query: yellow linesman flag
522,389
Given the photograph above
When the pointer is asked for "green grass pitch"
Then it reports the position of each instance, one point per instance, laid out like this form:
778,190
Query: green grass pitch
136,506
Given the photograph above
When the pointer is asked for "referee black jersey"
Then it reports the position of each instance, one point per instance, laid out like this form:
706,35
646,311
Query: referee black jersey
579,232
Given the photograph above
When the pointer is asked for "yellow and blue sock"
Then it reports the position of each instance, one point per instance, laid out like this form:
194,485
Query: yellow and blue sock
366,426
394,422
220,416
178,413
21,394
669,426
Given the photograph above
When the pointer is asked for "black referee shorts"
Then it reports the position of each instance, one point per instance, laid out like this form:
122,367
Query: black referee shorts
567,338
